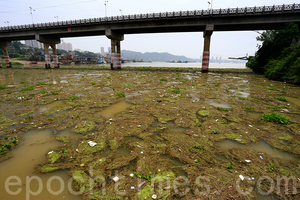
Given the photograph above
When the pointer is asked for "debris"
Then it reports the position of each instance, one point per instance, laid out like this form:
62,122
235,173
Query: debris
139,126
159,101
81,165
92,144
238,140
136,122
248,161
250,125
110,119
241,177
261,157
132,187
77,150
116,179
142,152
131,175
50,152
154,196
251,178
141,184
215,132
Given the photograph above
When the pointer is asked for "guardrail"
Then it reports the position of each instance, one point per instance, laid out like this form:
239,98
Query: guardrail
153,16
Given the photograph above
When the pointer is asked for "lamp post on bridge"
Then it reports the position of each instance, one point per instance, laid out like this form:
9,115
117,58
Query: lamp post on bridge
121,11
7,22
56,17
105,1
31,15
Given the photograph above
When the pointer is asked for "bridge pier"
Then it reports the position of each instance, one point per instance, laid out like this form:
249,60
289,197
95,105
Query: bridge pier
206,53
49,42
116,39
3,46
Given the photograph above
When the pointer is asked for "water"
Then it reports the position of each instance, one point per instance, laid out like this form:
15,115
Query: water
115,108
185,65
261,146
29,153
50,106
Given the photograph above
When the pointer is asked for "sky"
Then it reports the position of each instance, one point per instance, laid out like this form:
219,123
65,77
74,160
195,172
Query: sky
223,44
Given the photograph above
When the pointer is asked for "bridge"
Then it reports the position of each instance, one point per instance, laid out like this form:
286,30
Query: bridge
115,27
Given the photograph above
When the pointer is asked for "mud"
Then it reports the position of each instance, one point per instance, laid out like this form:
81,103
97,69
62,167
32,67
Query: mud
152,122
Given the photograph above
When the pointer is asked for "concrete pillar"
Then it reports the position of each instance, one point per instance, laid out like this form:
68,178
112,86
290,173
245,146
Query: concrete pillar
47,56
206,53
115,54
11,79
116,39
54,56
6,56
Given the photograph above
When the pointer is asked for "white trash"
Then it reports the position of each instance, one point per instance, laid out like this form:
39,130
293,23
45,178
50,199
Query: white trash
248,161
92,144
116,179
241,177
154,196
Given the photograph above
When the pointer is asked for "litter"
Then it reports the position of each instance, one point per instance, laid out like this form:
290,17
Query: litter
116,179
139,126
238,140
248,161
251,178
110,119
141,184
142,152
92,144
261,157
241,177
250,125
81,165
132,187
131,175
50,152
154,196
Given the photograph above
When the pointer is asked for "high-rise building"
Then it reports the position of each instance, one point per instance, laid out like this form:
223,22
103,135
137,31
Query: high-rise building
34,44
102,51
65,46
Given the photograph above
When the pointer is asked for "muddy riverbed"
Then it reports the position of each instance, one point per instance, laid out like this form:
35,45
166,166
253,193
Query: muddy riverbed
147,133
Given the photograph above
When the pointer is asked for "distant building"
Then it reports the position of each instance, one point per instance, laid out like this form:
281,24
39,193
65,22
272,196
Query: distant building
77,49
109,50
102,51
65,46
34,44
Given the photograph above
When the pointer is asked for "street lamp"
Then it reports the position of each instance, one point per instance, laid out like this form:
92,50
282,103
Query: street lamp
56,18
31,15
7,22
121,11
105,1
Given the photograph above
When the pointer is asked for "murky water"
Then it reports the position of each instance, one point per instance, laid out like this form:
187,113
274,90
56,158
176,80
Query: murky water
257,116
294,101
261,146
115,108
219,103
50,106
29,153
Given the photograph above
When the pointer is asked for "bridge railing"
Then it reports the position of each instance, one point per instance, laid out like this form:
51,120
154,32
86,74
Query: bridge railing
161,15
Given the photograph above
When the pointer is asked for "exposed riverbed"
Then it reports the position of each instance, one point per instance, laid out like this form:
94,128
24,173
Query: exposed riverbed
179,124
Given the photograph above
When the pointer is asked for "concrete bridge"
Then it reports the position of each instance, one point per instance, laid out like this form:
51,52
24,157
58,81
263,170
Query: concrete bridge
115,27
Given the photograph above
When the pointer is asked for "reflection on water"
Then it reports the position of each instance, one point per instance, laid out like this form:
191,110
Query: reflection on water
29,153
115,108
261,146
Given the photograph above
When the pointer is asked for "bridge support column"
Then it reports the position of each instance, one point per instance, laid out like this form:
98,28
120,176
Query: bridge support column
116,39
54,56
47,56
206,53
115,54
3,46
49,41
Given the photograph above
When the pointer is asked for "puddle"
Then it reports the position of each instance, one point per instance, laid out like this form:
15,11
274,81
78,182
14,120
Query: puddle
261,146
169,124
115,108
294,101
220,104
196,99
50,106
135,96
254,116
177,166
121,152
29,153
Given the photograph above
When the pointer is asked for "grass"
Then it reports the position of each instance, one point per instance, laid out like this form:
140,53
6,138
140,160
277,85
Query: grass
74,97
127,86
223,109
198,147
273,88
273,117
43,92
177,91
31,87
163,79
229,167
41,83
248,108
199,124
108,77
54,93
23,82
29,117
281,99
271,167
93,83
2,87
243,98
121,94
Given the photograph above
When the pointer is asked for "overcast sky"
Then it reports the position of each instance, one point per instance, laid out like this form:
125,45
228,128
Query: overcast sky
225,44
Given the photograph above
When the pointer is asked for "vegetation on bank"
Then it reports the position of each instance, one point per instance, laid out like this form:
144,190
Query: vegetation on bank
279,55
